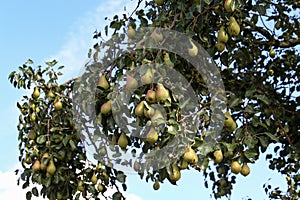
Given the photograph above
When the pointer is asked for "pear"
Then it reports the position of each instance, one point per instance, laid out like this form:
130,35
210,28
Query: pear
220,46
150,96
234,27
194,50
50,94
159,2
100,187
103,82
168,61
229,5
183,164
131,83
106,107
149,112
31,135
36,166
130,32
218,156
80,186
152,135
139,109
162,93
136,166
272,52
36,93
245,170
156,185
94,179
58,105
147,78
157,115
158,37
51,167
222,35
123,141
190,155
44,156
105,178
235,167
229,122
176,173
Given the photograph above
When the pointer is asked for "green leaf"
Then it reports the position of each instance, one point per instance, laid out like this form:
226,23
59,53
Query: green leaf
41,139
121,177
263,98
35,192
263,141
271,136
28,195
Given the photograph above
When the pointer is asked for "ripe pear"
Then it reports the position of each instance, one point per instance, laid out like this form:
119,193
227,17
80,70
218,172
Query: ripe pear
139,109
36,93
234,27
222,35
176,173
123,141
162,93
103,83
220,46
130,32
272,52
36,166
50,94
150,96
194,50
159,2
190,155
147,78
152,135
94,179
235,167
218,156
229,123
156,185
106,107
131,83
100,187
58,105
229,5
245,171
51,167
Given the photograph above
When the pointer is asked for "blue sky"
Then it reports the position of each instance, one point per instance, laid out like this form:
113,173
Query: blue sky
62,30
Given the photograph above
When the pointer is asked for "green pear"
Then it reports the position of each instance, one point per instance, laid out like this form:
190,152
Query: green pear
162,93
94,179
168,61
80,186
229,5
139,109
152,135
159,2
50,94
235,167
51,167
106,107
220,46
156,185
218,156
158,37
147,78
131,83
183,164
123,141
36,93
234,27
194,50
229,123
272,52
31,135
222,35
130,32
190,155
176,175
103,83
32,117
44,156
149,112
245,170
100,187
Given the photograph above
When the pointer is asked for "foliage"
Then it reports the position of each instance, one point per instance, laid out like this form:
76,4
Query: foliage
259,69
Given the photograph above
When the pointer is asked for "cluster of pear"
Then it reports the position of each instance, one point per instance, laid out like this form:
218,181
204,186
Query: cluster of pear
233,27
235,165
46,164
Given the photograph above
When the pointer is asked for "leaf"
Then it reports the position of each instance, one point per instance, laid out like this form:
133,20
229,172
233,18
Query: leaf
271,136
263,98
35,192
41,139
263,141
28,195
117,196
